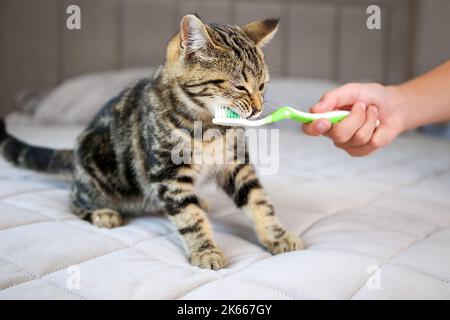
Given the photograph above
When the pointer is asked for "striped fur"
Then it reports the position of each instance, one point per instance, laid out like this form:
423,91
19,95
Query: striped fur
121,164
35,158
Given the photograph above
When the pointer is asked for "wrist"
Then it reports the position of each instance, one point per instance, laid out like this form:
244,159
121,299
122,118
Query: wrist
402,106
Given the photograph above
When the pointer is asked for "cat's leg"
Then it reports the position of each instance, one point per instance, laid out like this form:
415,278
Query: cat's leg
185,211
84,205
242,184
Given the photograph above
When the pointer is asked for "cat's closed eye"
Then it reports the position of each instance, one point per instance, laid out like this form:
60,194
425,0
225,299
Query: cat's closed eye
217,81
240,88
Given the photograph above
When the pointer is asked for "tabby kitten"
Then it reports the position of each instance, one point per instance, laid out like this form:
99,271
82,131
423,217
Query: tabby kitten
122,165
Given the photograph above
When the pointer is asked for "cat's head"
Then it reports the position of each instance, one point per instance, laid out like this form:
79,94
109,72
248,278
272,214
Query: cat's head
222,64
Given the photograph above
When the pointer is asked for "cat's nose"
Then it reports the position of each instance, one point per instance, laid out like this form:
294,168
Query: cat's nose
256,103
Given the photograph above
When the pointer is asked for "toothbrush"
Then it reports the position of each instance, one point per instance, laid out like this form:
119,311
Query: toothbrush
226,117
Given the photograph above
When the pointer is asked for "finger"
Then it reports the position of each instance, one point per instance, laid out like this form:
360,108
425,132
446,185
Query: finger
380,139
317,127
324,105
342,132
365,133
345,95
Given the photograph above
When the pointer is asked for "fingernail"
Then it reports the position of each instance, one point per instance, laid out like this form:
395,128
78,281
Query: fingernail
322,126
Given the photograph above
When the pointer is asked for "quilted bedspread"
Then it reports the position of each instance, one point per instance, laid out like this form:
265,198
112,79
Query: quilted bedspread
374,228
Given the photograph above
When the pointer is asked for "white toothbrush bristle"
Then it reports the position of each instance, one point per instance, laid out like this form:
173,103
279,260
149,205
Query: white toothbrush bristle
226,117
221,117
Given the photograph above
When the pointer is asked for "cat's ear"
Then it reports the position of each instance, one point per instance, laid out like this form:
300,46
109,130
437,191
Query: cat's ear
261,31
193,34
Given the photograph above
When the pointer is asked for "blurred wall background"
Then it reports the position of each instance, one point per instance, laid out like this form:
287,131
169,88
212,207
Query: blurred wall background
317,38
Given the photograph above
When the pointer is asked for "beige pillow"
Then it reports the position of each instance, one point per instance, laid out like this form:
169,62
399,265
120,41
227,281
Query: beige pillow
77,100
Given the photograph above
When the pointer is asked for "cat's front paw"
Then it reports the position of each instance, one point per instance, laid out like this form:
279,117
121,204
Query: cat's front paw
287,243
106,218
213,259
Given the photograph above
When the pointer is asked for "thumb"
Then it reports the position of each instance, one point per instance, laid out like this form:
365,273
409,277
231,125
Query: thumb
317,127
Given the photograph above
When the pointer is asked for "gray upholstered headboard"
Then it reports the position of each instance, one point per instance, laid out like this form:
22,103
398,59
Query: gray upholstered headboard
317,38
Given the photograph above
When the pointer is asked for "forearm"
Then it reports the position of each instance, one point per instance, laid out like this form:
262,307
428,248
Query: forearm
426,98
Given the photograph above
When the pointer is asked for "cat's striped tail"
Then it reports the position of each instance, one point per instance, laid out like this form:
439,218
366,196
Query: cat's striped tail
39,159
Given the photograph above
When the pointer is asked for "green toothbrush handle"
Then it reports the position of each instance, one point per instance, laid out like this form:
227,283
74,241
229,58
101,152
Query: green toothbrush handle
304,117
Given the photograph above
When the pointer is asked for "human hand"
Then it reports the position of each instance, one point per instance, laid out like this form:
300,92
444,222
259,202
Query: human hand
358,134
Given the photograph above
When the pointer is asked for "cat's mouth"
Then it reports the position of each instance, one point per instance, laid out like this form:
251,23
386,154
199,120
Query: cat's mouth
242,115
255,116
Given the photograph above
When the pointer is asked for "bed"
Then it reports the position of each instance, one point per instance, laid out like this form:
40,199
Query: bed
374,228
